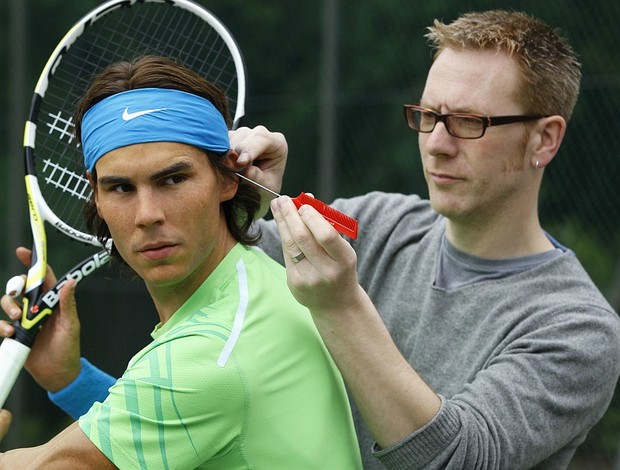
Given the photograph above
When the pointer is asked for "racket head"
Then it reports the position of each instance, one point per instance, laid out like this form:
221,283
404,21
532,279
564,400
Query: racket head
116,30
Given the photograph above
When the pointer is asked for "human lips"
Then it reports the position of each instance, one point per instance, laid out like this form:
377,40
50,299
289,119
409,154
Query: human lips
440,178
157,251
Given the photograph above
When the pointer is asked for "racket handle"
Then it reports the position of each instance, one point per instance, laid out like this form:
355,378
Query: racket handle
13,355
340,221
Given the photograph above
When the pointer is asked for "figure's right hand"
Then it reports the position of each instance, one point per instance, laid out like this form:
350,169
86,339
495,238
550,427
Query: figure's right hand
54,361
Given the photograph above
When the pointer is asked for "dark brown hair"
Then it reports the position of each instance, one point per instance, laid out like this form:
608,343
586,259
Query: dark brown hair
161,72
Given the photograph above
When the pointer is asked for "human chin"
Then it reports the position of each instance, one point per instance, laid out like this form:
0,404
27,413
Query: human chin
161,275
446,203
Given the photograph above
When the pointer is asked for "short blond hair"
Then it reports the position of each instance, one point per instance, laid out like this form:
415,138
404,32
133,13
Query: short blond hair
550,70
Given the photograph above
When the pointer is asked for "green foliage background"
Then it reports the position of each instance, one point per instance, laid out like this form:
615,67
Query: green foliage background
380,63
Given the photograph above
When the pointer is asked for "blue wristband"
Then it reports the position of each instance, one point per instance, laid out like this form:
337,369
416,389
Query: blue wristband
89,386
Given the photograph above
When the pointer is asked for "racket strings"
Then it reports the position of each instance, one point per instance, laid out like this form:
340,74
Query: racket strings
66,180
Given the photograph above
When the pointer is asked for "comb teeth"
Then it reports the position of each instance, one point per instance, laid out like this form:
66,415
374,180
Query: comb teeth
340,221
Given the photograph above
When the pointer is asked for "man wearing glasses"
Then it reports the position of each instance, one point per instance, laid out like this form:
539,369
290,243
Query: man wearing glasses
467,336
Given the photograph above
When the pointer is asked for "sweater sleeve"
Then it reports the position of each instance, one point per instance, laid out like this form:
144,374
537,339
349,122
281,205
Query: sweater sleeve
530,406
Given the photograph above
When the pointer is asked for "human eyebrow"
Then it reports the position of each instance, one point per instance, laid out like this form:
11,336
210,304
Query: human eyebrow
453,110
113,180
175,168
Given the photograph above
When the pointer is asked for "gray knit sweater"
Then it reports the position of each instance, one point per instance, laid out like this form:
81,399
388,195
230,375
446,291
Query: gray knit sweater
525,365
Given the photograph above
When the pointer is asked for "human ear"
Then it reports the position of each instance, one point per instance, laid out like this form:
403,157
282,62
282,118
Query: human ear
229,183
547,137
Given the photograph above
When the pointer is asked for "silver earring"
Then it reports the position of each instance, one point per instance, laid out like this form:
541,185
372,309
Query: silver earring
537,164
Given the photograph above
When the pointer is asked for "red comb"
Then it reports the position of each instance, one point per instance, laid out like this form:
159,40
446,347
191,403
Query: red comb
341,222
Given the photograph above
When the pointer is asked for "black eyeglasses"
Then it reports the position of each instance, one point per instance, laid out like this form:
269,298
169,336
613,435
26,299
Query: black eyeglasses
463,126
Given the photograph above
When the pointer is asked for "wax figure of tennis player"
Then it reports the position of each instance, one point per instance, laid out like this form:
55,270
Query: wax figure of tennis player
467,336
237,375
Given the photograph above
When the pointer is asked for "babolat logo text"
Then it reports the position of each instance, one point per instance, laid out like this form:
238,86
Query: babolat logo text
78,273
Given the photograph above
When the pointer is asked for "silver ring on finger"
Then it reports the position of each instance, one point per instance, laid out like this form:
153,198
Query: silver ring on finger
298,257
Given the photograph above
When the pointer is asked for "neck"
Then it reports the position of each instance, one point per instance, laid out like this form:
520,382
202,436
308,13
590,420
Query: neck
170,297
500,237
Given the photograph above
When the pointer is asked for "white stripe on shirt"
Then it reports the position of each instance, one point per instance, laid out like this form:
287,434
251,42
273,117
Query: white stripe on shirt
239,316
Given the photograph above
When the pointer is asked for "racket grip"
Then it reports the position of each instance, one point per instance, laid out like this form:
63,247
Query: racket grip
340,221
13,355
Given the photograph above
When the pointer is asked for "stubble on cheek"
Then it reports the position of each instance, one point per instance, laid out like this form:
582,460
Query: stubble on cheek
517,162
514,165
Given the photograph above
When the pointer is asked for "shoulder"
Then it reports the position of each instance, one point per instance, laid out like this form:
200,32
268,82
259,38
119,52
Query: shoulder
385,204
560,303
384,217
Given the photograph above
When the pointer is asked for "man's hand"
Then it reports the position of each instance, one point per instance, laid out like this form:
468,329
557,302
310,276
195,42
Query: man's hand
54,361
326,278
261,155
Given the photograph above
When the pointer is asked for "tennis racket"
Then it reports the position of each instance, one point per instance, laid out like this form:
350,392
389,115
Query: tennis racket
56,186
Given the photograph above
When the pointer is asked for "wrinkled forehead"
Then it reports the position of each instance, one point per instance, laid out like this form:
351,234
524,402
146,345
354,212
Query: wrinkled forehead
483,82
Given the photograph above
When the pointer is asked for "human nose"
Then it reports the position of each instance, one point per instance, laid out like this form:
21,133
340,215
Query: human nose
148,209
438,142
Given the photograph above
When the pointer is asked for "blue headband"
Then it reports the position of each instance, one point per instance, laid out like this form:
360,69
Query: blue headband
151,115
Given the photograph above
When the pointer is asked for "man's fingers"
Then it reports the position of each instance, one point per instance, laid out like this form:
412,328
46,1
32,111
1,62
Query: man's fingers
6,329
257,141
261,156
24,255
67,299
10,302
15,286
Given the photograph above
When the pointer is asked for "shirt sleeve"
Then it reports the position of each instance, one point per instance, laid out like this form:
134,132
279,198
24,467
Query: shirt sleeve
172,408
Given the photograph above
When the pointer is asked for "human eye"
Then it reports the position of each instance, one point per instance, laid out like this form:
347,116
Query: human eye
468,123
426,118
172,180
120,188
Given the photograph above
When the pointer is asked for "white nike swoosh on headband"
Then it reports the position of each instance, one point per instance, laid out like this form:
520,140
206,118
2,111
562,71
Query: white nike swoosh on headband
127,116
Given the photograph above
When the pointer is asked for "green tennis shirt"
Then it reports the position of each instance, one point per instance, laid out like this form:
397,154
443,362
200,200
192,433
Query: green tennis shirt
237,378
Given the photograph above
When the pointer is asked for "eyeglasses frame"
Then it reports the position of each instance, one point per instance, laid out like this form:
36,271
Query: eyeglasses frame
487,121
